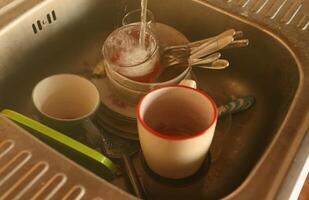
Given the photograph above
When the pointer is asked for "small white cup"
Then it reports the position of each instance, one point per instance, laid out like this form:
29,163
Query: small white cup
66,97
66,102
176,126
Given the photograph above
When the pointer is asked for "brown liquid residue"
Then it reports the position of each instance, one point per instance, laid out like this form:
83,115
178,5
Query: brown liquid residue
58,109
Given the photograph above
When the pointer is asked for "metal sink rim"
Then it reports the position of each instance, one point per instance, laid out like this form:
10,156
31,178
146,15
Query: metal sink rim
297,102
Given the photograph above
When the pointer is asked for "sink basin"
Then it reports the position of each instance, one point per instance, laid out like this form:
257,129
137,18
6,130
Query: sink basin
255,152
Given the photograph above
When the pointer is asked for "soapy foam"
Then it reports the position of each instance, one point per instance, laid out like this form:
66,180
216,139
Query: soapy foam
133,56
125,44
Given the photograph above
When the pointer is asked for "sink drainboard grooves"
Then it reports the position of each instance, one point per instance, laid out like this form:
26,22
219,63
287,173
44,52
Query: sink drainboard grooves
54,184
14,165
26,181
284,11
257,8
5,147
275,8
292,12
77,192
31,170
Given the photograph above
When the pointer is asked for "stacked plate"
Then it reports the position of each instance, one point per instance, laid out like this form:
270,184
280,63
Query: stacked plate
115,123
116,115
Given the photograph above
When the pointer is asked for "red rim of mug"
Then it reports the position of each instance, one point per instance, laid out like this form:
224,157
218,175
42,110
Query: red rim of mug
150,130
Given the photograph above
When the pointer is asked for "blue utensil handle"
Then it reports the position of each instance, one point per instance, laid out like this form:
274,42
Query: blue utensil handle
237,105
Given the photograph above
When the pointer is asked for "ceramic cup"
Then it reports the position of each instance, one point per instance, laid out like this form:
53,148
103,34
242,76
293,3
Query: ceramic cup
175,127
66,102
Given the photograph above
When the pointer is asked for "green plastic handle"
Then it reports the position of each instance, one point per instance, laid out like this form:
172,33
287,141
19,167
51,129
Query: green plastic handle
104,166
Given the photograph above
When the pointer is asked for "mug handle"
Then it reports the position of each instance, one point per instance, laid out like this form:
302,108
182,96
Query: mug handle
189,83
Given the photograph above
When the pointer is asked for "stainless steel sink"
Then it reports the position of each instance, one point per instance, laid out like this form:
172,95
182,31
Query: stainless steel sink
258,152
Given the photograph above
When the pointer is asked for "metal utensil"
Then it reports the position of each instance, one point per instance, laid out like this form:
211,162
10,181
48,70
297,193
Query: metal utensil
180,55
211,46
172,55
237,44
217,64
236,35
116,147
191,61
210,62
209,59
232,32
119,148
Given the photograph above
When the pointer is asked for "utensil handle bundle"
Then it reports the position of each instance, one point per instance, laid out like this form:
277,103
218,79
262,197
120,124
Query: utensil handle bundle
135,183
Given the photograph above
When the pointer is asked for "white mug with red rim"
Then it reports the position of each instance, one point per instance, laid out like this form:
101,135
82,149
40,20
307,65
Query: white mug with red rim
176,125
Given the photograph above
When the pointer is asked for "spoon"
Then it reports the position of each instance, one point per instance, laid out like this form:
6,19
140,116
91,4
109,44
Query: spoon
185,47
217,64
181,53
210,62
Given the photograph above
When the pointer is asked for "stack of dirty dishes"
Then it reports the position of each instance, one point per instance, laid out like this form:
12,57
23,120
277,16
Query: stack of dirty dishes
122,83
129,71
